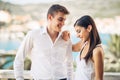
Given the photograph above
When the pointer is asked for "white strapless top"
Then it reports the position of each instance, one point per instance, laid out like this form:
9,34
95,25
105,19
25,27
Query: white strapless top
84,71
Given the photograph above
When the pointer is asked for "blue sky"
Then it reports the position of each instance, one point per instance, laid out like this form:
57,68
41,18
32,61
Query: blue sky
30,1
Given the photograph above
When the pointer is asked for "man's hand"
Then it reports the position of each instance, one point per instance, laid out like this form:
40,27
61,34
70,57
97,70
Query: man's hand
66,35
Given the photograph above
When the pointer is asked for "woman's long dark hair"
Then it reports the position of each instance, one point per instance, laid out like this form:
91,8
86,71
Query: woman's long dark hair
85,21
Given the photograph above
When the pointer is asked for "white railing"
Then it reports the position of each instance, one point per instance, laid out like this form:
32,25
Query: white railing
112,76
9,74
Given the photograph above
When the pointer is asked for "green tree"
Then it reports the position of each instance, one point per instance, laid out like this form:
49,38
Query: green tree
114,45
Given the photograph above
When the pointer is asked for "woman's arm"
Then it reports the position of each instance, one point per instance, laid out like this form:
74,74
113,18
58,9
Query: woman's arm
98,63
76,47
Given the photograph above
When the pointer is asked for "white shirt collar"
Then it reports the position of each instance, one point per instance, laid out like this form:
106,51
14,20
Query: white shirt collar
44,31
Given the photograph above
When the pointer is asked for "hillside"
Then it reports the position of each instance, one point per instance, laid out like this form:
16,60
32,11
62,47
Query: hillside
96,8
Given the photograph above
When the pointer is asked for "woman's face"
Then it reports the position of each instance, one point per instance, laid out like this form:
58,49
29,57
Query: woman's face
82,33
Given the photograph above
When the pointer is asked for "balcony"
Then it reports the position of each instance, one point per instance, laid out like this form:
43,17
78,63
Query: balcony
9,74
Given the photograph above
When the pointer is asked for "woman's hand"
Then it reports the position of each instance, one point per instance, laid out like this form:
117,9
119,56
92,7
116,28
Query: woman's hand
66,35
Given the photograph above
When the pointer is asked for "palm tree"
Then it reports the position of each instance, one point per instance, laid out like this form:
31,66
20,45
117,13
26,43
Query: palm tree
114,45
113,62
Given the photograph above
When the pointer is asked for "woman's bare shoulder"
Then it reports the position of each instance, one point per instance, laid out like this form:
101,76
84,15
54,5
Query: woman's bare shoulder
98,52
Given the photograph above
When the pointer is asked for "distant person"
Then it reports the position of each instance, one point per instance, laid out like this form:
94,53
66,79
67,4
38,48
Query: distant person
51,56
90,59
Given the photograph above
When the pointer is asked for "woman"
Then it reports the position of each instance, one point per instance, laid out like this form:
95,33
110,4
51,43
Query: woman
90,59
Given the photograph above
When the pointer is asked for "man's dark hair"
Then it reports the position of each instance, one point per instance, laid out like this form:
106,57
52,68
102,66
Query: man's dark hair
57,8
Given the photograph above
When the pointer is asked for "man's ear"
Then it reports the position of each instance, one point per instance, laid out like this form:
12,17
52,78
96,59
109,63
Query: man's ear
49,17
89,28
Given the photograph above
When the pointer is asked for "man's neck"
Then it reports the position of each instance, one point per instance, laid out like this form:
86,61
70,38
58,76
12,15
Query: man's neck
53,35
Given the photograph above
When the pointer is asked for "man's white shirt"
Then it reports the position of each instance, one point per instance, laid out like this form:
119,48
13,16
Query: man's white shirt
48,60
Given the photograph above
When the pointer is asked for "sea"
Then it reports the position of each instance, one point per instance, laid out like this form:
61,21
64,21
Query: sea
8,45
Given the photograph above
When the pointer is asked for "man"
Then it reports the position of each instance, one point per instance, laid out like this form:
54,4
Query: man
51,56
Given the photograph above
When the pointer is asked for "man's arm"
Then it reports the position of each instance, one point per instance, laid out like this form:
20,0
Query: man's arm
24,49
69,61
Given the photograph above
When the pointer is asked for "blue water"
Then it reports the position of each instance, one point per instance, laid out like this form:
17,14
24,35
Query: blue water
14,44
9,44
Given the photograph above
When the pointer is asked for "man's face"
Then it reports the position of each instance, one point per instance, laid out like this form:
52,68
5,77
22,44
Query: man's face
57,21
